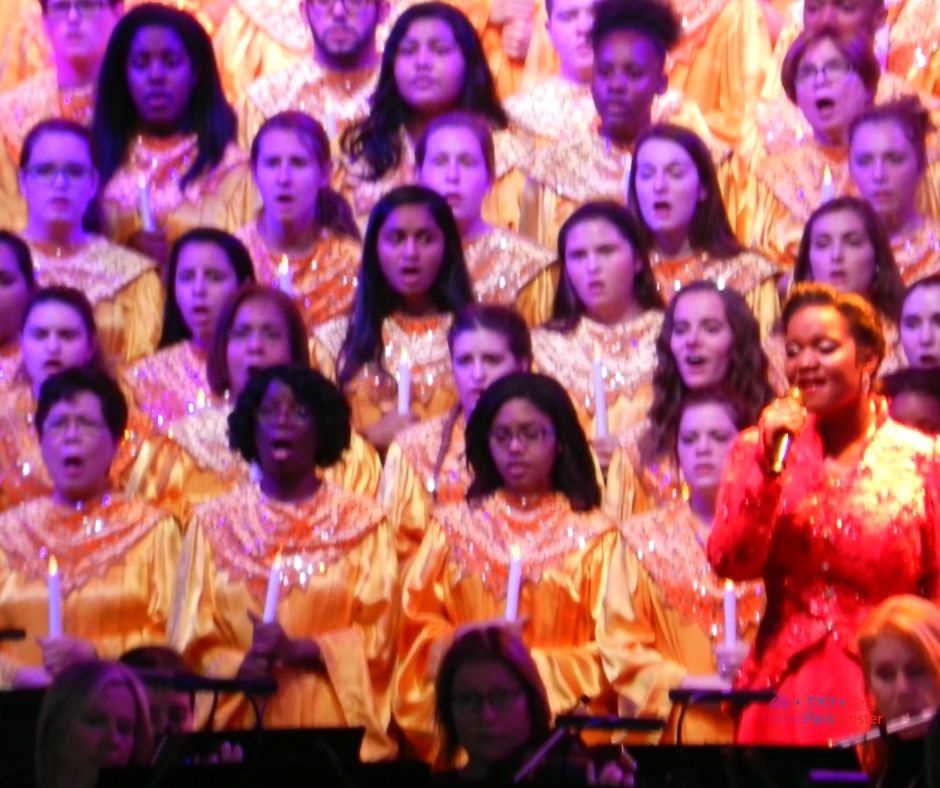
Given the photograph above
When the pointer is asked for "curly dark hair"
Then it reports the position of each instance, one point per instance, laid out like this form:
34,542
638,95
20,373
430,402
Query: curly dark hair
375,139
568,308
65,385
573,473
375,300
489,644
174,327
653,19
208,114
746,375
887,287
314,392
709,231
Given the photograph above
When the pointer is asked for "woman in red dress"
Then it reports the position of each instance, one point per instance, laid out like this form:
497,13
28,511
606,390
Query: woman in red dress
850,520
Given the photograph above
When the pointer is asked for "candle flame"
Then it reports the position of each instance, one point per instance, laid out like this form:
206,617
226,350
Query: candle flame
53,566
516,552
278,560
597,352
284,266
729,585
405,359
827,176
201,397
142,181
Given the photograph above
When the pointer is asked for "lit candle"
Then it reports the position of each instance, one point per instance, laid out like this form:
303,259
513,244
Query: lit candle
285,281
147,222
274,587
731,615
330,119
828,190
200,398
55,599
514,584
404,384
600,397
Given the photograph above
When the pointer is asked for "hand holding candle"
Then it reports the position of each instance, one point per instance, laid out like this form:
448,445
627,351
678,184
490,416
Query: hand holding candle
271,597
55,599
404,384
514,584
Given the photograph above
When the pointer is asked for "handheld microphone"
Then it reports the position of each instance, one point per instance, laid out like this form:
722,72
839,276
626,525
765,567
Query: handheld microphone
784,439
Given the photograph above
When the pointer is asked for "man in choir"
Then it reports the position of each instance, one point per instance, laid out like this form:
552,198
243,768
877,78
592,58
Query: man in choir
334,82
78,31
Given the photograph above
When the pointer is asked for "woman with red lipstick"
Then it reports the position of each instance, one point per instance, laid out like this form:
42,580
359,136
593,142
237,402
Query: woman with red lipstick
426,464
331,644
190,460
303,221
17,283
708,338
59,179
206,266
166,134
845,245
920,322
850,520
535,496
606,311
432,63
411,281
684,228
455,157
116,557
679,611
888,162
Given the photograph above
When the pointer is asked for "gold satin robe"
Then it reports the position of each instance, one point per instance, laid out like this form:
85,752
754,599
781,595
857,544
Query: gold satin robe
338,587
918,254
323,281
122,285
169,384
372,393
663,623
224,197
24,48
459,576
11,361
117,560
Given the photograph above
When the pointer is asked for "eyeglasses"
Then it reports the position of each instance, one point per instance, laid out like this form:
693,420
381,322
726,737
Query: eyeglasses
832,71
60,9
292,414
527,435
472,702
48,172
82,424
349,5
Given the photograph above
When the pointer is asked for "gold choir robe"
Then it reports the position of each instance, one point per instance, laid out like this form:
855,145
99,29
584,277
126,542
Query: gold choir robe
662,624
419,341
221,197
322,281
11,361
627,352
122,285
507,269
192,462
918,254
459,577
338,587
117,562
169,384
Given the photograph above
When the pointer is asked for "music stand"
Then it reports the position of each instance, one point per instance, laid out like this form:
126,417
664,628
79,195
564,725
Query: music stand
689,696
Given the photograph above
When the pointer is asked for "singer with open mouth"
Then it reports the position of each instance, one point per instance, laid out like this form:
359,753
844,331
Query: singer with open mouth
836,507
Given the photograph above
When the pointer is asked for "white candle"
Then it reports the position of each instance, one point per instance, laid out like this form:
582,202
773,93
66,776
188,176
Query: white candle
330,119
404,384
274,587
514,584
731,615
285,281
147,222
828,190
600,399
55,599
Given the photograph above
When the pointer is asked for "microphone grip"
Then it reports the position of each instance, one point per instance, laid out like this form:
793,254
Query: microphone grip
782,443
